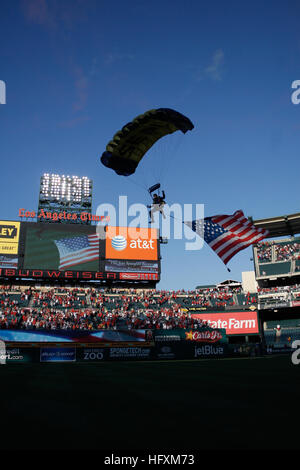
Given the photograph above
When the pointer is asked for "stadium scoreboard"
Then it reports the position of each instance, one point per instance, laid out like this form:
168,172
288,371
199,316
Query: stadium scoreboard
60,192
79,252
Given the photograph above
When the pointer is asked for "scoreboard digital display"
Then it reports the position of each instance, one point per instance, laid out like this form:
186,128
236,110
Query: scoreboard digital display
47,250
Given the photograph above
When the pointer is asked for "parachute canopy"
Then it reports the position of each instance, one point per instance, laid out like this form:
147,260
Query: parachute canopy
128,146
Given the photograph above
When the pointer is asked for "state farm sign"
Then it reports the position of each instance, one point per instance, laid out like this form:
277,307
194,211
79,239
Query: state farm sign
235,323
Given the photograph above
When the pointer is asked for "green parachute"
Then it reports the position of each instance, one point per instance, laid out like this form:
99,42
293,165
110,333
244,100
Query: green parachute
129,145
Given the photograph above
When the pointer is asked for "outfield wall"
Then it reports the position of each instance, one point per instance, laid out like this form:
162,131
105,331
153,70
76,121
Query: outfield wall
118,345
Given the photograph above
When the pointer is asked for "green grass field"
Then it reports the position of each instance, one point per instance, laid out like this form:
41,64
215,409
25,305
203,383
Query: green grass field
205,404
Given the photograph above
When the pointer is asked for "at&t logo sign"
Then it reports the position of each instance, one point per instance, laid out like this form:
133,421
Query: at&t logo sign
119,243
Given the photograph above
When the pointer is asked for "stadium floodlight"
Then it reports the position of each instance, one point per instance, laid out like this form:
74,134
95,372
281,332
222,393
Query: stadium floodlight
65,192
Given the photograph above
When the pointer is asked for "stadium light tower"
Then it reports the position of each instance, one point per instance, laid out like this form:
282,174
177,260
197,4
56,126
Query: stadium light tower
72,194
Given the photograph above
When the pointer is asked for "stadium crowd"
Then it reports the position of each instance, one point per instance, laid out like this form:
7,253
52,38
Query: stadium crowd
89,319
274,295
264,252
53,298
284,251
287,251
91,308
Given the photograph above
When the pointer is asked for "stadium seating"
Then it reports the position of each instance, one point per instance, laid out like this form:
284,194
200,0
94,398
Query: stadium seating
277,257
264,252
91,308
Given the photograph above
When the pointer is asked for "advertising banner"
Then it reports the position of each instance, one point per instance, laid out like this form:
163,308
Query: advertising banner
168,351
57,354
80,336
56,274
279,349
120,244
91,354
190,344
139,276
246,350
16,355
9,237
128,266
234,323
130,353
275,304
210,351
8,261
205,335
190,350
116,352
207,309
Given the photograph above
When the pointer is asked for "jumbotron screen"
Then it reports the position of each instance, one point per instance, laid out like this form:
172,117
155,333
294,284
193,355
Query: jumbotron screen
37,249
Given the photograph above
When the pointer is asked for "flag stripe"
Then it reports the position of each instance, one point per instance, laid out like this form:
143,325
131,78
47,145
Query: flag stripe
233,241
231,254
83,260
236,244
79,258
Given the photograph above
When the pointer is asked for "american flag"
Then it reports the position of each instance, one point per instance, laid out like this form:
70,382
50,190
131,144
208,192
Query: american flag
77,250
228,234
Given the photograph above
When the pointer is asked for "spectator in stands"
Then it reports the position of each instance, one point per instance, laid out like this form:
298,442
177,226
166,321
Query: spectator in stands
99,308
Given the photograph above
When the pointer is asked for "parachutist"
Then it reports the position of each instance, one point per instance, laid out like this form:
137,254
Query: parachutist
157,205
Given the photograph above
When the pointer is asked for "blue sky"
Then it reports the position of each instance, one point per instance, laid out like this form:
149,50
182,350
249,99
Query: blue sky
77,71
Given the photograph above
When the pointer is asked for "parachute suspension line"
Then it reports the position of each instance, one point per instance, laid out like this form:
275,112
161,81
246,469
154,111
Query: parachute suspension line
137,184
161,158
170,150
176,218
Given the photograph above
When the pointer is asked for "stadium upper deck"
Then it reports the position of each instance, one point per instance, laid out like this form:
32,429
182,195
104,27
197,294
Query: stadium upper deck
278,261
284,225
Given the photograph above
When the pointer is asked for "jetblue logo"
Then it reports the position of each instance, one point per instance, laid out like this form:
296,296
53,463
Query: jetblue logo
208,350
119,243
2,92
